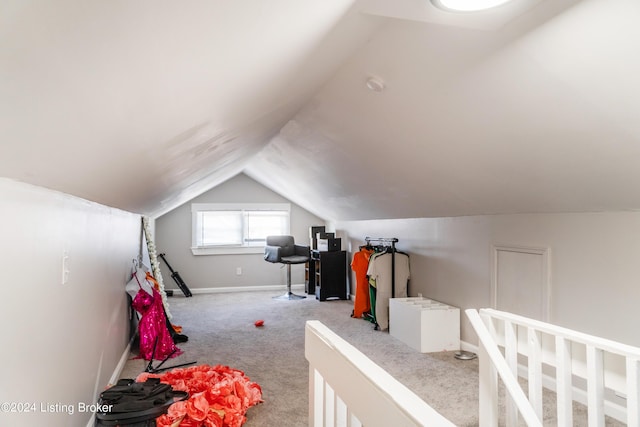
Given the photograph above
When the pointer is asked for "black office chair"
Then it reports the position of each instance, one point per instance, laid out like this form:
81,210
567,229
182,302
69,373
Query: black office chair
283,250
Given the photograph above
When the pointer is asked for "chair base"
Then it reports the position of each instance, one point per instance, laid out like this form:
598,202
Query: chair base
289,296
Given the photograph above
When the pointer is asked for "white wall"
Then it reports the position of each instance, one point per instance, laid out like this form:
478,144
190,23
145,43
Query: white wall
594,263
173,237
61,342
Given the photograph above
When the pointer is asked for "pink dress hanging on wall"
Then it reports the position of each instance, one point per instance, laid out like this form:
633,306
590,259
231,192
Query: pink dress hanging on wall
152,326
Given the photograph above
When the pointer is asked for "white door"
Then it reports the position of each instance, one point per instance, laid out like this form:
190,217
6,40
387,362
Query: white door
520,281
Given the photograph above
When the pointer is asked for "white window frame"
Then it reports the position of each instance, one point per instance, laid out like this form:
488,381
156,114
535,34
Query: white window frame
232,249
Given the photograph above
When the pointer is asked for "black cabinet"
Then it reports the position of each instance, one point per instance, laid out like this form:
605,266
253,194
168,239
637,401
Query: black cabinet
310,277
328,271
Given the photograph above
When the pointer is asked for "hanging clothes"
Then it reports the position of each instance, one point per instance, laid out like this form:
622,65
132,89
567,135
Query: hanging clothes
175,328
380,283
155,339
359,265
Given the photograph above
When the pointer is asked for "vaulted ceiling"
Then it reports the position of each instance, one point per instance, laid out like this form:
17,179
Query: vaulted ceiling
142,105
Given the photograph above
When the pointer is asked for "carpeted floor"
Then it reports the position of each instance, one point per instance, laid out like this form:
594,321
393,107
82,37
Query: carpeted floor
221,330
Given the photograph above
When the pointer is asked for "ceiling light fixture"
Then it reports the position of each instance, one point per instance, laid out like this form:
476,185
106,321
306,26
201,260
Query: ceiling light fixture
375,84
467,5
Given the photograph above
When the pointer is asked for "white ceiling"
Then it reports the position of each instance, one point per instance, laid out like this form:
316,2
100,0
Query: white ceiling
144,104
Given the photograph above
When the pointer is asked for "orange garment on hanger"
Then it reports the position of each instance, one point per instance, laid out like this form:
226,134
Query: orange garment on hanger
359,265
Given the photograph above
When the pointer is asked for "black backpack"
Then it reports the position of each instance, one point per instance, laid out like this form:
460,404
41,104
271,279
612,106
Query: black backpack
136,404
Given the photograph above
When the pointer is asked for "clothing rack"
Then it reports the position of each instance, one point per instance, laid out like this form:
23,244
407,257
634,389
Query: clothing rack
392,241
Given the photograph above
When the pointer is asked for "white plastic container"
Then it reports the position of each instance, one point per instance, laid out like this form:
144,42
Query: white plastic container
424,324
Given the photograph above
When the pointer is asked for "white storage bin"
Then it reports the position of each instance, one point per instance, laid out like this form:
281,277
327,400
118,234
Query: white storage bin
424,324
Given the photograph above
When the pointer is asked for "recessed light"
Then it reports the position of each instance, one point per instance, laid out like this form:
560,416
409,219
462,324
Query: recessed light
467,5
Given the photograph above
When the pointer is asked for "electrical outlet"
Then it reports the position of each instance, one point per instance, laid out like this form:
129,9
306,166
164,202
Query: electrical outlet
239,271
419,294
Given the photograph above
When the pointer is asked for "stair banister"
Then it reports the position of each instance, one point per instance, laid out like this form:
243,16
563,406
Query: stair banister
492,364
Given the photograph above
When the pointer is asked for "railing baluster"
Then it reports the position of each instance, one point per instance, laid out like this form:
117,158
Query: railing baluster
341,413
535,370
633,392
330,406
511,356
488,393
595,386
564,385
353,420
316,399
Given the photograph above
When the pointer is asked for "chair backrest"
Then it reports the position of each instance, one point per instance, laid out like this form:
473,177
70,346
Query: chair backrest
286,243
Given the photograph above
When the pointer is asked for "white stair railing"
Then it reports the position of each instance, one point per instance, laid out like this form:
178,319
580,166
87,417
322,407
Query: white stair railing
347,389
608,369
491,364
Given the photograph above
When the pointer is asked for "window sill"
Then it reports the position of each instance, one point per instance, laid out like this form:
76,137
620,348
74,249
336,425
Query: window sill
230,250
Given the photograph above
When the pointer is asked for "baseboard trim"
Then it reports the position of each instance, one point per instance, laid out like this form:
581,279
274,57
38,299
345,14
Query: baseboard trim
123,361
115,375
178,292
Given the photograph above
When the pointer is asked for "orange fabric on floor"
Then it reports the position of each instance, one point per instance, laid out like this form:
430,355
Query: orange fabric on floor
359,265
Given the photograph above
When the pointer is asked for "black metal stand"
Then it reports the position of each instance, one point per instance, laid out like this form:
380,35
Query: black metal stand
157,369
289,295
176,277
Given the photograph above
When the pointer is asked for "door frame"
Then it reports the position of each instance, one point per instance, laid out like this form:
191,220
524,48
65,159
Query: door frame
545,252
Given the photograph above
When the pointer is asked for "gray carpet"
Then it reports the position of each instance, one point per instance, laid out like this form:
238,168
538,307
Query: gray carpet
221,331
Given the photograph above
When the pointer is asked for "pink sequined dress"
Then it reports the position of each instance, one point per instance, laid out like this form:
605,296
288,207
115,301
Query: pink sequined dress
152,326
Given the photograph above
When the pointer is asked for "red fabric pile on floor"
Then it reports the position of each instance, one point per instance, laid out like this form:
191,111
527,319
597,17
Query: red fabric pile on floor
219,396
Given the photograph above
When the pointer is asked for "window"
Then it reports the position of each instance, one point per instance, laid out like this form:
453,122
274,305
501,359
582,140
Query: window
229,228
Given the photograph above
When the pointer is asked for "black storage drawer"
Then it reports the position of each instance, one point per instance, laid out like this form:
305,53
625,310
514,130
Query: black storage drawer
330,274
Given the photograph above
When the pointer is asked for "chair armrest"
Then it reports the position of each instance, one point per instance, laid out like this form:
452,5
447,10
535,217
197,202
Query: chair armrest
302,250
272,253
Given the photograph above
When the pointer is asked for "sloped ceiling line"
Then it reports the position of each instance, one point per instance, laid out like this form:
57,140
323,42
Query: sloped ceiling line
145,105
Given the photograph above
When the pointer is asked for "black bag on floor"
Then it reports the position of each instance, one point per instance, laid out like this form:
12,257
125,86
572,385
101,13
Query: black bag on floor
130,403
